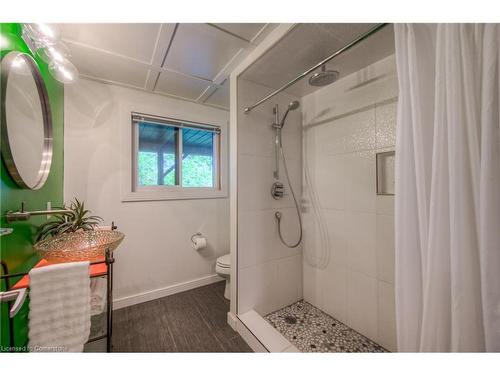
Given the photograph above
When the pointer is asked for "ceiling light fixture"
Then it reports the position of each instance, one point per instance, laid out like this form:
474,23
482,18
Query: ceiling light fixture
43,33
64,71
44,40
57,52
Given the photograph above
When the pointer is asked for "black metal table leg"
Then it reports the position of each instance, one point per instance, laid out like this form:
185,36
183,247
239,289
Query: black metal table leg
109,302
5,271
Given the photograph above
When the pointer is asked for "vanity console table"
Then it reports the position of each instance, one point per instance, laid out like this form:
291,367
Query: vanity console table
100,268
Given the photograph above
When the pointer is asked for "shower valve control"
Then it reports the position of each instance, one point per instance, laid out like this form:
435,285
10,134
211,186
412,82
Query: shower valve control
277,190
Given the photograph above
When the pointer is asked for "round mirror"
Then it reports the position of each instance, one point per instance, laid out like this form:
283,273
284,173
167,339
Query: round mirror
26,121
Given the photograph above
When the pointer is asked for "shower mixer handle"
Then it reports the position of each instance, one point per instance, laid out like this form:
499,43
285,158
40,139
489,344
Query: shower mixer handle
278,190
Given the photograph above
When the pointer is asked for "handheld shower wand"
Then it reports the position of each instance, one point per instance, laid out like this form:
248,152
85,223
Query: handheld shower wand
278,189
292,106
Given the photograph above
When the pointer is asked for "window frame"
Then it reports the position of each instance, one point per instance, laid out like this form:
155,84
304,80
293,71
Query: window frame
135,192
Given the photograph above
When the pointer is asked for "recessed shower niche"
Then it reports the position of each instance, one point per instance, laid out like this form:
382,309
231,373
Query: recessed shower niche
386,177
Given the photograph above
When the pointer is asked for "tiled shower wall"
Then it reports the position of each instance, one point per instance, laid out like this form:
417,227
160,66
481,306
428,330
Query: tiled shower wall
345,125
269,274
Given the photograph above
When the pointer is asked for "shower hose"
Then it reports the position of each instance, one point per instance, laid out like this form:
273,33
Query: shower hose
278,215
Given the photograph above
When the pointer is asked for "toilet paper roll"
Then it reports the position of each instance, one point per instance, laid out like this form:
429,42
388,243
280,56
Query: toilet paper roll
199,243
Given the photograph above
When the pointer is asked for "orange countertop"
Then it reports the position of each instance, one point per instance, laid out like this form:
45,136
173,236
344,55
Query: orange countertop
95,270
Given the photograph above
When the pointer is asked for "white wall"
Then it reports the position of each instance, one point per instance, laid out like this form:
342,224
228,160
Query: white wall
269,274
345,125
156,254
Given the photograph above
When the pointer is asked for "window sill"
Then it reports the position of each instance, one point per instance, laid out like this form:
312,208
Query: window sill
173,194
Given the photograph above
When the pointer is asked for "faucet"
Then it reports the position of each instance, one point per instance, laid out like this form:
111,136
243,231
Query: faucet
24,215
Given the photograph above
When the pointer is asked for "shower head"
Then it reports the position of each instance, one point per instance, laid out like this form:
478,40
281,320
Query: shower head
292,106
323,78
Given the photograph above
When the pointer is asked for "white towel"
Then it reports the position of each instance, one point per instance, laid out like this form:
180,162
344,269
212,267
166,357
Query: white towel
59,317
98,291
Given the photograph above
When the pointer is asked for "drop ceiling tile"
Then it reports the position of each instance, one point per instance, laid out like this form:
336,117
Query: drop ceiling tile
220,97
179,85
97,64
135,40
201,50
346,32
245,30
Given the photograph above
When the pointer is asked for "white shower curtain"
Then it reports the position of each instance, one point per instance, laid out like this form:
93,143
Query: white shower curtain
448,188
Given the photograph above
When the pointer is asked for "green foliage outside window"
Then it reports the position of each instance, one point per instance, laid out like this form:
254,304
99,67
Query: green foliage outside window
196,170
148,168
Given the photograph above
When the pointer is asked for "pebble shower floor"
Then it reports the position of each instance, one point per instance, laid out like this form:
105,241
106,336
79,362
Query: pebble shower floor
312,330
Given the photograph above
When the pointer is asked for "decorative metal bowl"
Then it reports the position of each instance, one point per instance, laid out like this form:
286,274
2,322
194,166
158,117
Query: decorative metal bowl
79,246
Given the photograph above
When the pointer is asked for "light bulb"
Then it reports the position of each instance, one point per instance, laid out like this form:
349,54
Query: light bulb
63,71
43,33
57,52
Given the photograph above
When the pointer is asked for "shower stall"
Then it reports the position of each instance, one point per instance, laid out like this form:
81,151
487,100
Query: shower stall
312,230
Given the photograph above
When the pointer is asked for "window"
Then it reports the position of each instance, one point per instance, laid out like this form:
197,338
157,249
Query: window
198,167
174,154
157,154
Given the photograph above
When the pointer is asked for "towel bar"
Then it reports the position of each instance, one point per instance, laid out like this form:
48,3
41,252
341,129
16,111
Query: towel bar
18,296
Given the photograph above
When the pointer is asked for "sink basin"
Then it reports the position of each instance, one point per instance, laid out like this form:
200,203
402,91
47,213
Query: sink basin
79,246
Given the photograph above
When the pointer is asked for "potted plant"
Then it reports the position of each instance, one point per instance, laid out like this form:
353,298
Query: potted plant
77,219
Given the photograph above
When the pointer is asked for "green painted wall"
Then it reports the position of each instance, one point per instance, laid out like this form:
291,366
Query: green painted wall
16,248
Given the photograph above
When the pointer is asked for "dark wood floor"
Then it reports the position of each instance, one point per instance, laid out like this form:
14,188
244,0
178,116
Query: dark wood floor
192,321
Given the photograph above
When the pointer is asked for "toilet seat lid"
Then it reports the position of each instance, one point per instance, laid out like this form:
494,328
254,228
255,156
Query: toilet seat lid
224,261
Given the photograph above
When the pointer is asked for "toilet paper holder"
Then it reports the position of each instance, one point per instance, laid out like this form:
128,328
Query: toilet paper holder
197,234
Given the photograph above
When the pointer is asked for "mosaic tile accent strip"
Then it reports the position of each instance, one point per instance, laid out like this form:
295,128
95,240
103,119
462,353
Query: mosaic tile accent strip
312,330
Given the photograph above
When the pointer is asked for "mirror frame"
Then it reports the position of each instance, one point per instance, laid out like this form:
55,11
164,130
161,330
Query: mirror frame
46,157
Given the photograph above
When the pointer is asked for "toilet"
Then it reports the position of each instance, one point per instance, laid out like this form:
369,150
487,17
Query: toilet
223,269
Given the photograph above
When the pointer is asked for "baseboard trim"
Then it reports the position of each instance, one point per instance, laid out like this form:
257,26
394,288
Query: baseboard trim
135,299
